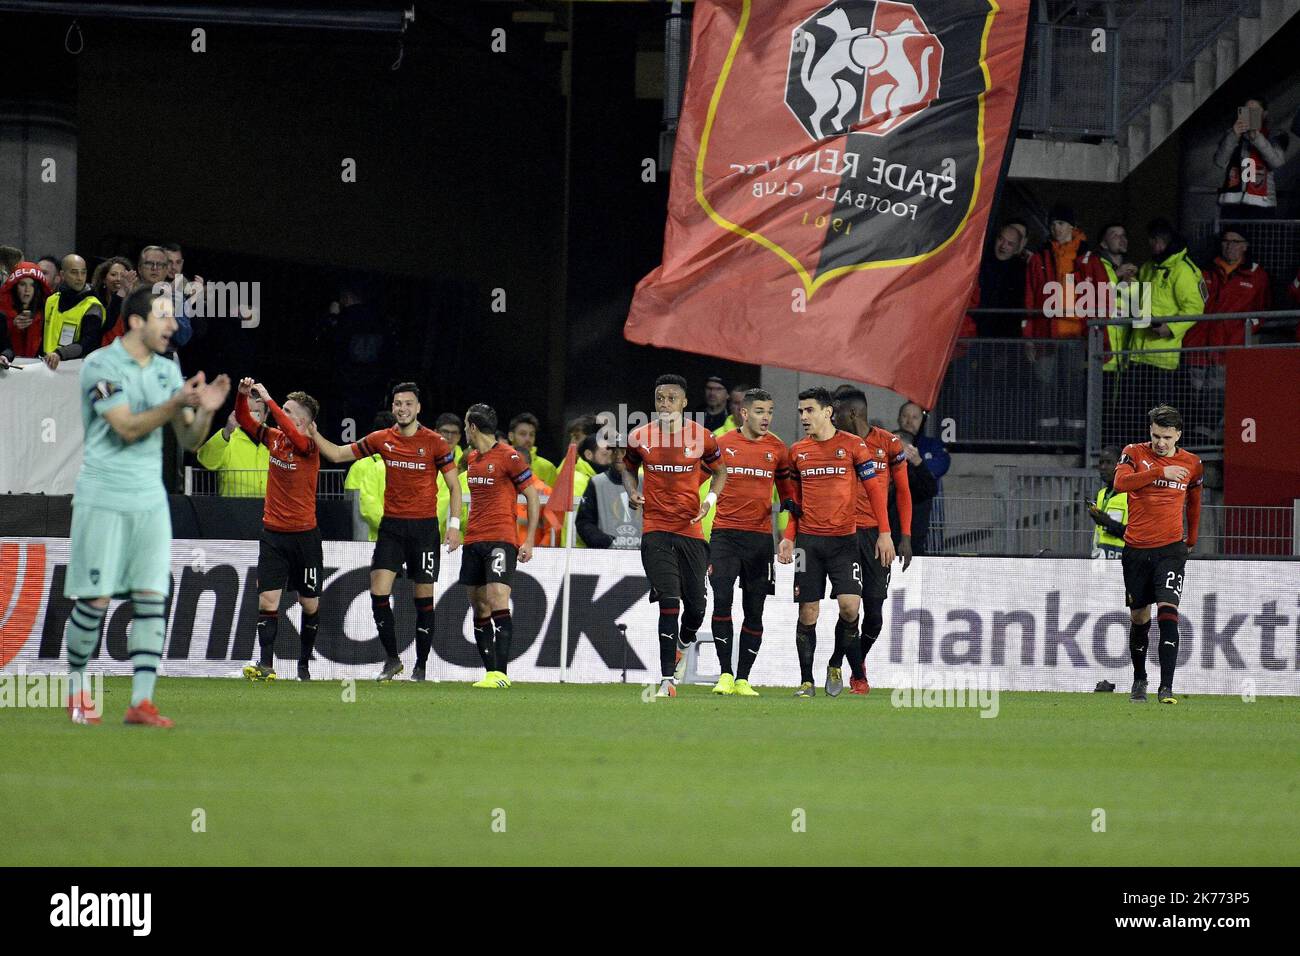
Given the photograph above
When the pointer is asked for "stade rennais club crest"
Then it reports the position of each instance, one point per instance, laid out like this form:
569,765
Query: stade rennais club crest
892,117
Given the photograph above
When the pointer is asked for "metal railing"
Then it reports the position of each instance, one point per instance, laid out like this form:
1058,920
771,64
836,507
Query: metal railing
996,524
1093,66
251,482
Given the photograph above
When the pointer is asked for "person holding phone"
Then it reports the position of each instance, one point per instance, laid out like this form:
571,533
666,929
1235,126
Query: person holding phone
1249,154
22,312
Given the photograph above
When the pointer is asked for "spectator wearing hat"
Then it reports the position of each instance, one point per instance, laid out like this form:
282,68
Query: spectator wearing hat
22,312
716,394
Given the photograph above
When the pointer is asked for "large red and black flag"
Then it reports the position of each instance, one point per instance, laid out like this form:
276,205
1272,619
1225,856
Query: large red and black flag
833,175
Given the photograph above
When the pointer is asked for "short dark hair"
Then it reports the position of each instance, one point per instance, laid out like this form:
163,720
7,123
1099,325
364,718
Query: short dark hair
1160,226
1261,100
307,402
588,444
585,423
55,259
171,247
1107,227
1166,416
753,395
819,394
525,418
140,302
404,387
449,418
383,420
677,380
739,388
851,398
483,417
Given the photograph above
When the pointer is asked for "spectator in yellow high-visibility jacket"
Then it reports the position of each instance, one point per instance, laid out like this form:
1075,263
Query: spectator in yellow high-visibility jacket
240,462
369,477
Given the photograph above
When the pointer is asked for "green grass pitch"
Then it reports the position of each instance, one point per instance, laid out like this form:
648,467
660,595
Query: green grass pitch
291,774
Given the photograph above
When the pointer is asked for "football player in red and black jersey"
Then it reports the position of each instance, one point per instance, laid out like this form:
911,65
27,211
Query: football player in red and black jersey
670,450
891,467
289,550
740,546
497,474
408,533
1161,480
830,466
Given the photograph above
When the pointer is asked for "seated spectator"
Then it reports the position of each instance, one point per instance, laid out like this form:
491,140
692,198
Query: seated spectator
449,427
22,312
604,518
522,436
369,476
113,280
1249,156
74,318
50,266
10,256
239,461
716,394
1002,284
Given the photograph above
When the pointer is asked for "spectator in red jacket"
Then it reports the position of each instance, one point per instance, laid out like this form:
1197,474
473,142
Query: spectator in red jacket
22,311
1051,290
1234,284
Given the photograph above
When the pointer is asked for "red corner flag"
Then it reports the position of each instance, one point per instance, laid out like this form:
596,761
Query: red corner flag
561,499
832,180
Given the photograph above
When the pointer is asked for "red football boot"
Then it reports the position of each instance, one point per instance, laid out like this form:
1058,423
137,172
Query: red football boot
82,709
147,714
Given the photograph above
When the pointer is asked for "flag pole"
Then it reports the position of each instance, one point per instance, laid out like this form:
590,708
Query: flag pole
564,611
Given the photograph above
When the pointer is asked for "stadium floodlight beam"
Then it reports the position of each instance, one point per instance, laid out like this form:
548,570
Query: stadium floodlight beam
369,21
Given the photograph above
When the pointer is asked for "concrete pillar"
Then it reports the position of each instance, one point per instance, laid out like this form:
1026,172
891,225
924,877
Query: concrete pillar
38,178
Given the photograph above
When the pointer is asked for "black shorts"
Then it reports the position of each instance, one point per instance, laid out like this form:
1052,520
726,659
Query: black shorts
488,562
746,555
875,584
675,565
290,560
818,557
1154,575
412,542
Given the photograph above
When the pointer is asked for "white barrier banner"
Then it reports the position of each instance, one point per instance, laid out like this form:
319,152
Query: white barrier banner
40,421
1031,624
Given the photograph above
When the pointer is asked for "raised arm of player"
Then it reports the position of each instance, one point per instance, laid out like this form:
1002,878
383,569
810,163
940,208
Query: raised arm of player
301,443
132,426
339,454
243,416
192,423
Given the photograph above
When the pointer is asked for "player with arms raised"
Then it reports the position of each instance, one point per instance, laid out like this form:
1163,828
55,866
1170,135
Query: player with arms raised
408,533
1160,480
829,465
891,465
497,474
121,524
673,551
740,546
289,550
